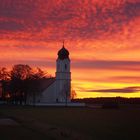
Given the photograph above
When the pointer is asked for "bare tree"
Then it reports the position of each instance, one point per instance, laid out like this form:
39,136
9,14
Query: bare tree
4,78
19,74
20,82
73,94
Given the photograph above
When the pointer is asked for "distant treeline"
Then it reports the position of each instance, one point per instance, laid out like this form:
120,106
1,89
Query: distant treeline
102,100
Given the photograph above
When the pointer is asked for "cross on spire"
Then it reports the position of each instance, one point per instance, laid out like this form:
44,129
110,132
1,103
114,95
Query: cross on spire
63,43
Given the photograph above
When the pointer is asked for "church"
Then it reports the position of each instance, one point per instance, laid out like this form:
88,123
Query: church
57,89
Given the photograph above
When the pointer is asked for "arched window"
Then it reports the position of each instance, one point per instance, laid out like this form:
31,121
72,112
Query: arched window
58,66
65,66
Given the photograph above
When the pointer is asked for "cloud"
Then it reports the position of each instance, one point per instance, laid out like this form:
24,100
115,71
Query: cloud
10,26
34,62
17,9
104,64
119,90
68,19
125,79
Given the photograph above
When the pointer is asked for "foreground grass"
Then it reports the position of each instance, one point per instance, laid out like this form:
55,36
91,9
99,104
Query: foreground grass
87,123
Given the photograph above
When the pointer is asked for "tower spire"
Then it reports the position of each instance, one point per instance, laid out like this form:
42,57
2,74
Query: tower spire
63,43
63,53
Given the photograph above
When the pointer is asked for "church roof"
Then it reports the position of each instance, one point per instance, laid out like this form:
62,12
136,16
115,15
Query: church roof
63,53
45,83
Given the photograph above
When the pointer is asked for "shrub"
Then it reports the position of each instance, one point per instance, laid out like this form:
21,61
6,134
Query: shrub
110,105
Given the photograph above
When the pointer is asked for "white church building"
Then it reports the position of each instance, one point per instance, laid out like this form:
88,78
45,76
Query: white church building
57,89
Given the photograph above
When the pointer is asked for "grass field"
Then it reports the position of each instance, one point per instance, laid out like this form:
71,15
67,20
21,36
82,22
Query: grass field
41,123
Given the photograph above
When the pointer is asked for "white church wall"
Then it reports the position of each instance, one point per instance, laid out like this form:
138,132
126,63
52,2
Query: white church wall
63,75
63,80
63,65
63,90
49,95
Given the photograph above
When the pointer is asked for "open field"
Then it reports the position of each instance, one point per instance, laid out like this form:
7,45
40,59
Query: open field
40,123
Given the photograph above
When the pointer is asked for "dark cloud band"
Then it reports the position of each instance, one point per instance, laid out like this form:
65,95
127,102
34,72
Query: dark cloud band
102,64
119,90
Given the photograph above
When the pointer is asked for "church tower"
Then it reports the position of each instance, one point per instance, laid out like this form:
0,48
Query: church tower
63,76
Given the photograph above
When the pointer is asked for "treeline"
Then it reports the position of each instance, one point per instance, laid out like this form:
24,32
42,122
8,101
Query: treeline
103,100
19,82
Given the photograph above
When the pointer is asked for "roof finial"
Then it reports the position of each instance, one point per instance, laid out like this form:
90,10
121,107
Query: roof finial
63,43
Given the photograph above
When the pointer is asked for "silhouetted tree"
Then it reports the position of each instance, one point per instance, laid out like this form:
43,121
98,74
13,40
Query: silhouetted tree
73,94
21,82
19,74
4,78
39,74
33,83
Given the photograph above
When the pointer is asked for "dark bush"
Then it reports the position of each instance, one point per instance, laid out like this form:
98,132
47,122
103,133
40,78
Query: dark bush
110,105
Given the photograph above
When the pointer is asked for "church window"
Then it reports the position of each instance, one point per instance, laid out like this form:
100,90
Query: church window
58,66
65,66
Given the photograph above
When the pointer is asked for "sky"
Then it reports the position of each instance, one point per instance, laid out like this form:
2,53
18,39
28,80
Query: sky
102,36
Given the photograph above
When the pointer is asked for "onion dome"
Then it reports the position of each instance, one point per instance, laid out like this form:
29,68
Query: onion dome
63,53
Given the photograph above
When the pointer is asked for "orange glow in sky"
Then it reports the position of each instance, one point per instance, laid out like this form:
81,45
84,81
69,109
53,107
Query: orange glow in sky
102,36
